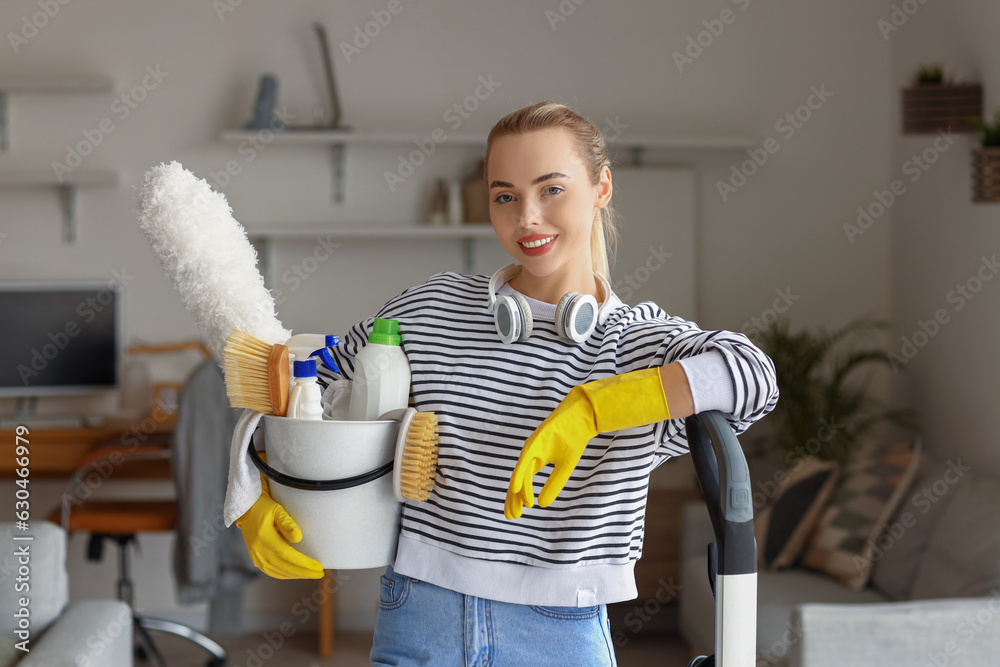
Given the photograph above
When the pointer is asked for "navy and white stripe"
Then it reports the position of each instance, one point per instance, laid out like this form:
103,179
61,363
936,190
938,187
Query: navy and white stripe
489,397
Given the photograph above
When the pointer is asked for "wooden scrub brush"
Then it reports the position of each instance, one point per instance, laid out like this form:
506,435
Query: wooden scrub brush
256,374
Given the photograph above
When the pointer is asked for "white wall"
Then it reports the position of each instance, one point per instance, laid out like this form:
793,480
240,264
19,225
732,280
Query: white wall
939,241
611,61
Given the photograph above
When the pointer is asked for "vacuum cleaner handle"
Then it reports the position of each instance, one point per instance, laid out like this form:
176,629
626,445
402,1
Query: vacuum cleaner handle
726,488
725,482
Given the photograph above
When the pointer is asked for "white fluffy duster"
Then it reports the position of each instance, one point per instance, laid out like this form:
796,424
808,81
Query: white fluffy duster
207,255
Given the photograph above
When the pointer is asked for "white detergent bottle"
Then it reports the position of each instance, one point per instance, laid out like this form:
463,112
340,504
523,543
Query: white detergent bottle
381,374
304,402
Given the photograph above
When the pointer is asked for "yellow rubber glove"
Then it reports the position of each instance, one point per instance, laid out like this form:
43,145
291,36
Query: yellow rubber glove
266,526
614,403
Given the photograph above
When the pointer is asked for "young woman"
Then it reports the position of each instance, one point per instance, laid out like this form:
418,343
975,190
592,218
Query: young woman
540,363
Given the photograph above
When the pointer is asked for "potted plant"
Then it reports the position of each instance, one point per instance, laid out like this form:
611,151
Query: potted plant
933,103
822,410
986,161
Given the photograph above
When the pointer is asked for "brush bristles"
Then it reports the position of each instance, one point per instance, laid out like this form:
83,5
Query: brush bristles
419,460
245,369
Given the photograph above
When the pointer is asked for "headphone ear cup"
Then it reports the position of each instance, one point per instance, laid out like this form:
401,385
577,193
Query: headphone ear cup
576,316
512,318
561,309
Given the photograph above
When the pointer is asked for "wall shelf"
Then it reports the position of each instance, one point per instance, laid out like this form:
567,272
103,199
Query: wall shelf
466,233
339,139
332,137
82,86
290,230
67,187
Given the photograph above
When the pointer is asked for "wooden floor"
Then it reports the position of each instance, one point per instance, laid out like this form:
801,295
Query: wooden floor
351,650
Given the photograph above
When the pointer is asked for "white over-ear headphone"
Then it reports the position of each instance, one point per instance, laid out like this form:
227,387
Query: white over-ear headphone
577,315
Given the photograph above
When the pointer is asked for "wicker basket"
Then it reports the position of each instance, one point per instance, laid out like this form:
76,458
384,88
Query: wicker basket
930,107
986,175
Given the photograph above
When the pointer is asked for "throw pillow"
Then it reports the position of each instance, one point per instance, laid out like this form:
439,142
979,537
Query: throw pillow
869,493
963,556
901,548
784,525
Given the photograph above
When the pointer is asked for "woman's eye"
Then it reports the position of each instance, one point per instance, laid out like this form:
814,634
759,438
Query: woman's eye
498,199
549,190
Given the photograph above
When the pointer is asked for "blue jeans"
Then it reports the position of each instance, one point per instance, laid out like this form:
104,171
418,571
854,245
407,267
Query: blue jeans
422,624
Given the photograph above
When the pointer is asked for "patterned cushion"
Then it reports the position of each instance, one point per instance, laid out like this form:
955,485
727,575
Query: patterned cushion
870,491
783,527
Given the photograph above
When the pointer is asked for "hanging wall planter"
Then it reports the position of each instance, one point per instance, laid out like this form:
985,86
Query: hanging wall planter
931,103
986,175
986,162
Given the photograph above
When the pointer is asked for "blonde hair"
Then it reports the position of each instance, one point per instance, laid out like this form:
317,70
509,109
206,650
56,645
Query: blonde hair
592,152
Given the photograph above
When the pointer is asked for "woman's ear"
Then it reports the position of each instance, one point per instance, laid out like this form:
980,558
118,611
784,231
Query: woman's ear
604,188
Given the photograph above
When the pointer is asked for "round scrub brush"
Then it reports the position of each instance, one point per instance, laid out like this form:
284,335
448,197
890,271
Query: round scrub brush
207,255
416,454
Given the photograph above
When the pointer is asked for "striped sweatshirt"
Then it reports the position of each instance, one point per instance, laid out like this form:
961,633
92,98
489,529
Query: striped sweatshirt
489,397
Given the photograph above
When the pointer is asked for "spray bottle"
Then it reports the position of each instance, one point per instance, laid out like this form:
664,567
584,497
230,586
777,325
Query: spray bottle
307,345
381,374
304,402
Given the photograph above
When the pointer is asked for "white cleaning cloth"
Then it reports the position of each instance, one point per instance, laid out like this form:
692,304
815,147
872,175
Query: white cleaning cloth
244,486
336,400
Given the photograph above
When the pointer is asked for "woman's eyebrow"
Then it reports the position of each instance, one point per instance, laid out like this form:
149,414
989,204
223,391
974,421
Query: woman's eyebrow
545,177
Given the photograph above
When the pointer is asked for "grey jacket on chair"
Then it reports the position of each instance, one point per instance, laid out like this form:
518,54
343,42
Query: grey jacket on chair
210,561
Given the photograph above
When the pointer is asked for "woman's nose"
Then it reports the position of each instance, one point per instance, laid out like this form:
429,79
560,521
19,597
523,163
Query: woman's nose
530,214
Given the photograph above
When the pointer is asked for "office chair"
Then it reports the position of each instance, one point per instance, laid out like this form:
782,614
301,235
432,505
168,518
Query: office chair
120,521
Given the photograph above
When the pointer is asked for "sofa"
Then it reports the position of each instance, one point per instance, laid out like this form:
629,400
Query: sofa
95,633
932,596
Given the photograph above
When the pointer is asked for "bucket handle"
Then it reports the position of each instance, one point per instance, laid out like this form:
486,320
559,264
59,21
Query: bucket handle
316,484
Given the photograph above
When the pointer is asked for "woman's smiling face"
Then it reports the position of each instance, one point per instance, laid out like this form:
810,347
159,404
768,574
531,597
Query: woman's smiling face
542,204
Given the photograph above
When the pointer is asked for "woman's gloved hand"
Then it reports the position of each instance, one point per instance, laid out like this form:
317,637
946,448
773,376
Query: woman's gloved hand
614,403
267,529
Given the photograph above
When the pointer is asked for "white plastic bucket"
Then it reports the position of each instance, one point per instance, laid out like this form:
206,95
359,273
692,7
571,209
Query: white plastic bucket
347,529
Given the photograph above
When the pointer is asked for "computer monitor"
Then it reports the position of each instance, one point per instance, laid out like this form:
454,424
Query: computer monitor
59,338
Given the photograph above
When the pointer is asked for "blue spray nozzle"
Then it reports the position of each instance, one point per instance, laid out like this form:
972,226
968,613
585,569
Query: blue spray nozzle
332,340
324,354
305,369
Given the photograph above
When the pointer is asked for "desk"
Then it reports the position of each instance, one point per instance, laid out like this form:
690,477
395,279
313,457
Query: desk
57,453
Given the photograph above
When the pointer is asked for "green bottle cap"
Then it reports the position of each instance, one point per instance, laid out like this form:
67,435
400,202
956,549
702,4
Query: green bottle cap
385,332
